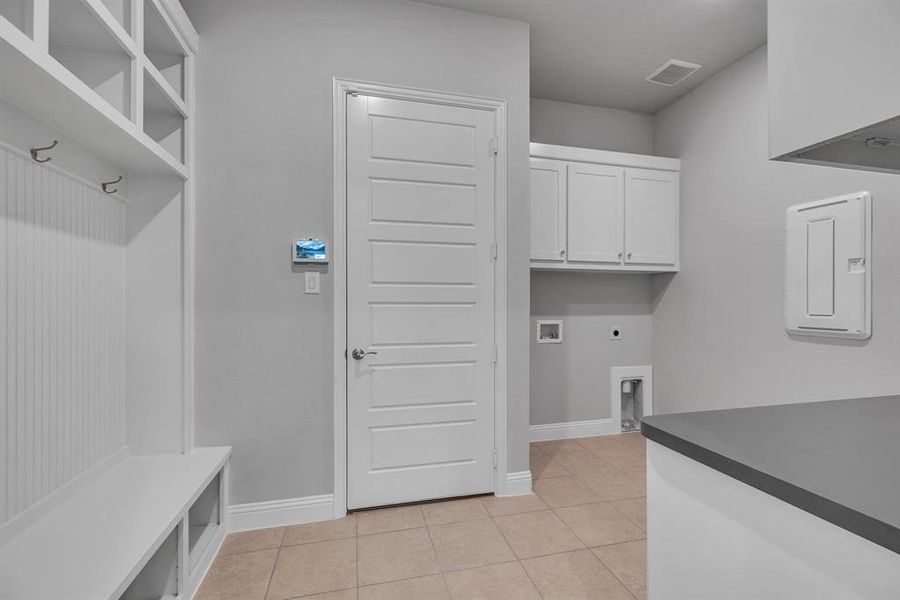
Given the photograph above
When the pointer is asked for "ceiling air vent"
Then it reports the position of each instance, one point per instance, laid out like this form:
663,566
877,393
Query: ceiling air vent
672,72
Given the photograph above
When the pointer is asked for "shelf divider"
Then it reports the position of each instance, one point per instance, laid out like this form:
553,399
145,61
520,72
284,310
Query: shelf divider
113,26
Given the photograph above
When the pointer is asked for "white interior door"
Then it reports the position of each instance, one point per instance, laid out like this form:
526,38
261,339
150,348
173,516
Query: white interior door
596,196
420,301
651,217
548,210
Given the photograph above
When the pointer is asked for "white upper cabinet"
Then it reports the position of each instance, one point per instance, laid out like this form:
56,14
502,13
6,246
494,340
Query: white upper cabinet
834,88
651,217
595,213
593,210
548,210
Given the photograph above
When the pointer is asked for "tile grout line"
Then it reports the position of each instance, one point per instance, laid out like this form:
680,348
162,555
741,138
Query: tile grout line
436,557
356,547
608,568
272,573
518,560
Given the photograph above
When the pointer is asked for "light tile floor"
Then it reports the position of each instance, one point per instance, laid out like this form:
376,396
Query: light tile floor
581,535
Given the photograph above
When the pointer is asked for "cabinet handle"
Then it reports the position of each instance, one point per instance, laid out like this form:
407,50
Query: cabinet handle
620,255
629,255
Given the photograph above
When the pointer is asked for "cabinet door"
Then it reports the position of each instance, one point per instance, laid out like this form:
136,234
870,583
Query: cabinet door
548,210
596,197
651,217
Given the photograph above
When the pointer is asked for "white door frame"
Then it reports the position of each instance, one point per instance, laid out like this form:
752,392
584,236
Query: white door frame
343,87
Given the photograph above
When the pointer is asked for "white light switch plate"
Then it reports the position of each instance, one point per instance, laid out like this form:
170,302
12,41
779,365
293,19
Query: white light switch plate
311,282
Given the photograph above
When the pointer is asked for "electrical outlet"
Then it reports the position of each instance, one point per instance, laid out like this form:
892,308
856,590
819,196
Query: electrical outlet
615,332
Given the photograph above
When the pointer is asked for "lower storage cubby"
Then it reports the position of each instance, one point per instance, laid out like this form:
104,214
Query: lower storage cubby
159,577
204,520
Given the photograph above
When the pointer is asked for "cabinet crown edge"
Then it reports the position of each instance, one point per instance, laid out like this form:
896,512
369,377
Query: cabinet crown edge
606,157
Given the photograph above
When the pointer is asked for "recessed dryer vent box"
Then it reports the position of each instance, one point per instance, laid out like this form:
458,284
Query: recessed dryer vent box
828,274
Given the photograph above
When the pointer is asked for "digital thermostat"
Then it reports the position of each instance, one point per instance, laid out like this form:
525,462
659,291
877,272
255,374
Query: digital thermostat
310,251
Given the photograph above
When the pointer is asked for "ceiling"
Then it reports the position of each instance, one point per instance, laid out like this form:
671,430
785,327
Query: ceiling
599,51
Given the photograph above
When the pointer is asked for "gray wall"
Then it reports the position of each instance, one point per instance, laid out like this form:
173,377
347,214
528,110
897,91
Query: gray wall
567,124
570,381
718,335
264,150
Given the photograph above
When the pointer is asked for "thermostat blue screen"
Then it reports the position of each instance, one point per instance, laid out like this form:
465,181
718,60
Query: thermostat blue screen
310,250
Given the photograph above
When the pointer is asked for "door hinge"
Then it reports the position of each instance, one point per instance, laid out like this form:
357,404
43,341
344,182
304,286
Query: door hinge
495,147
496,459
495,251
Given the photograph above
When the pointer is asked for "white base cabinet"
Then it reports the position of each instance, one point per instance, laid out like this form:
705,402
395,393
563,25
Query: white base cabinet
710,537
598,210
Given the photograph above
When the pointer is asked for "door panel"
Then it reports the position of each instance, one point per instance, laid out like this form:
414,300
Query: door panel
436,264
423,202
596,196
651,217
548,210
420,284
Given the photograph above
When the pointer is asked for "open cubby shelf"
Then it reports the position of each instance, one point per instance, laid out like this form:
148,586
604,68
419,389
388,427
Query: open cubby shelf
121,12
163,121
80,42
19,14
162,49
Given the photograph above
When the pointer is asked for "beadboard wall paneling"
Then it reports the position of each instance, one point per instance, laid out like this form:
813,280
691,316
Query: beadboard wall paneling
62,324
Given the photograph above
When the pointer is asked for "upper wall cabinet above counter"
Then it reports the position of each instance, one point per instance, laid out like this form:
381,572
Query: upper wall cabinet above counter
593,210
834,83
115,75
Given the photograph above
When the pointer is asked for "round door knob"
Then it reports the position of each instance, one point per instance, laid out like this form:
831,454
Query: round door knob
359,353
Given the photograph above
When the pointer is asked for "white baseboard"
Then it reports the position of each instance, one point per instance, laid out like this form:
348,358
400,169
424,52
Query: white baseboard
516,484
572,429
275,513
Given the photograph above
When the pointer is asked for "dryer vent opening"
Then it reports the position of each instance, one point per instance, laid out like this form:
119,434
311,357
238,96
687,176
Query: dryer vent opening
632,399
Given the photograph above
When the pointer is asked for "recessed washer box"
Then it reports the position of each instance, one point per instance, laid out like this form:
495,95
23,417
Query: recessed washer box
828,270
549,332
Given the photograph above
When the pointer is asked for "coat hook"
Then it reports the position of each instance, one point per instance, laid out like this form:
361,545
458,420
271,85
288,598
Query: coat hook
108,183
34,152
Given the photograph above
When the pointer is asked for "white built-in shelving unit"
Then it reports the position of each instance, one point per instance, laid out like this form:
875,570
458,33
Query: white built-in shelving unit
104,494
82,67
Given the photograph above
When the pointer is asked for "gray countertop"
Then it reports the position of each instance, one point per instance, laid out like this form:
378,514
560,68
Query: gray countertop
839,460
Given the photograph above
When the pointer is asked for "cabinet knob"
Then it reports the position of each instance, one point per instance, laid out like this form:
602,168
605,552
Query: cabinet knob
629,255
620,255
562,252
